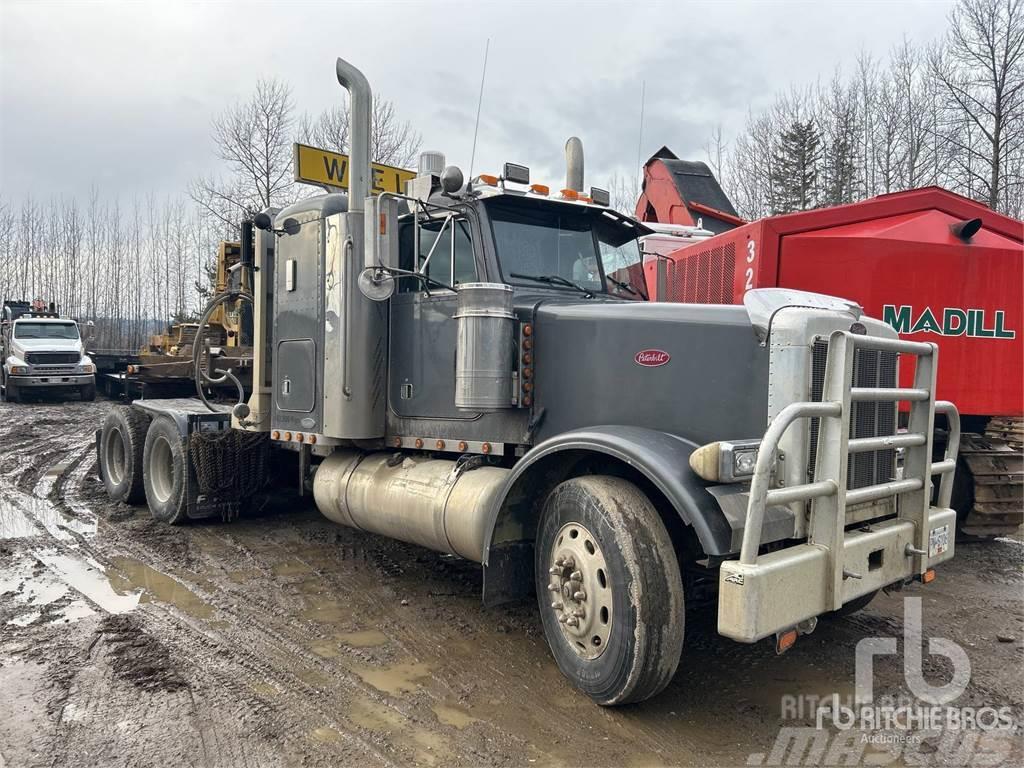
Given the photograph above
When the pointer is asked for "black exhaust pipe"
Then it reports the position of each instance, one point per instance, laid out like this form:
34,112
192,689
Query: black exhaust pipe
967,229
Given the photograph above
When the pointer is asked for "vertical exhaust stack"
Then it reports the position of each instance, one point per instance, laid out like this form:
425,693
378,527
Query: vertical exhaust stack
361,109
574,164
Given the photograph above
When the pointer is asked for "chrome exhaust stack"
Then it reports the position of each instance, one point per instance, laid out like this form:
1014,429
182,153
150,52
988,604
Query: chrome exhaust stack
361,110
574,164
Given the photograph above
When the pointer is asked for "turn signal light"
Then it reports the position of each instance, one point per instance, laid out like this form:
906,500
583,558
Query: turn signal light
527,330
928,576
784,641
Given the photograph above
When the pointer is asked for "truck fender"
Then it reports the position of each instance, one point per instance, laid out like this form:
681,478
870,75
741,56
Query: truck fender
661,458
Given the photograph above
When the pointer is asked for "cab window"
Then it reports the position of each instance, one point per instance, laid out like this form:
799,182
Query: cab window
452,260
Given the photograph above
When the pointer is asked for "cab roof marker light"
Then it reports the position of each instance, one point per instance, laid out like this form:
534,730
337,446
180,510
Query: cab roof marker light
488,179
570,194
540,189
517,174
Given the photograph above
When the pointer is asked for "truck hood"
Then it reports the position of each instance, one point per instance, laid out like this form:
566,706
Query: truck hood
697,371
48,345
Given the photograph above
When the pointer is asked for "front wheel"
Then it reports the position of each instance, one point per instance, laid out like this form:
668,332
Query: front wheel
609,588
87,392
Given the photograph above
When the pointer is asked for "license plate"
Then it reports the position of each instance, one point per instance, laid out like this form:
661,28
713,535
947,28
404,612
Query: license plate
938,540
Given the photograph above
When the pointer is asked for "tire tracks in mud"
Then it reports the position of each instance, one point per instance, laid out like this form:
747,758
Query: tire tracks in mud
246,645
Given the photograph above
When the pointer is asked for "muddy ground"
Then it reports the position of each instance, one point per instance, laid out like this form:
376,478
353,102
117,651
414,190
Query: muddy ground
283,640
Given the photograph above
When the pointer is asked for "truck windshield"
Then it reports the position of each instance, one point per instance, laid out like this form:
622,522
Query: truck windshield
27,330
566,247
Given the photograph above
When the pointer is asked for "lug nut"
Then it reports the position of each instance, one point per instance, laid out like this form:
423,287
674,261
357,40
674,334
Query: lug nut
560,562
557,606
572,621
562,618
576,576
579,613
570,562
554,570
579,596
553,588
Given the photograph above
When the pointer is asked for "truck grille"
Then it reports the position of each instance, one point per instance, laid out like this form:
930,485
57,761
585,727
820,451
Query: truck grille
871,368
703,275
52,358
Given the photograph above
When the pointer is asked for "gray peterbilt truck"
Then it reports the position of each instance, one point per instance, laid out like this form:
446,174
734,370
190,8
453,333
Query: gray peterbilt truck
472,367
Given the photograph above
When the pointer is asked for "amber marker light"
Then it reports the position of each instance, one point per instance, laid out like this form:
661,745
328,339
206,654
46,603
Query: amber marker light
784,641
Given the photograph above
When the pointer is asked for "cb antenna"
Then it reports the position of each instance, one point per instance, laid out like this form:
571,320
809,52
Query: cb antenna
479,103
640,139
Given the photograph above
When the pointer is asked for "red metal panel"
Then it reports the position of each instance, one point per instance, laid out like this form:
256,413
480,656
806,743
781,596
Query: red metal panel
897,251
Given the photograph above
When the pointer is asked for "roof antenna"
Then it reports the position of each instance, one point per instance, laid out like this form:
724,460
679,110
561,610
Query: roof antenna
479,103
640,140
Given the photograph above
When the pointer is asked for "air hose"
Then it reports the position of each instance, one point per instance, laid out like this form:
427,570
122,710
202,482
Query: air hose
199,346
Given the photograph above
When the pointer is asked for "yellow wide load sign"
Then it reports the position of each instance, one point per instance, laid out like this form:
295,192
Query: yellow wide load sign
330,169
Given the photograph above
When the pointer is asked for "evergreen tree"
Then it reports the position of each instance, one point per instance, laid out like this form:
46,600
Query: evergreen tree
795,167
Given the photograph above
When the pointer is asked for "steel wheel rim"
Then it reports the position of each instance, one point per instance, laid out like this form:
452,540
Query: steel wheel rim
115,457
161,465
580,591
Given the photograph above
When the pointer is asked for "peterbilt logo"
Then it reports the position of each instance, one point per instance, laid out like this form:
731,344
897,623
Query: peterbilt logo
651,358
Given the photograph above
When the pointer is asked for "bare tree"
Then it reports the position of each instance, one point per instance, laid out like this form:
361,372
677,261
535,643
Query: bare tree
253,139
981,71
623,193
393,141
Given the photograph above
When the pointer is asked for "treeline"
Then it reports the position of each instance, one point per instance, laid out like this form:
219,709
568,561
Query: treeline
950,113
129,268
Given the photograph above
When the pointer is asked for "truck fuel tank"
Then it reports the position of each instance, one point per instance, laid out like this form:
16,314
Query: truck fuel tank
436,503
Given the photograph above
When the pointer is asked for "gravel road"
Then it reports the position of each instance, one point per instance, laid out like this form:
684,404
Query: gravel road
281,639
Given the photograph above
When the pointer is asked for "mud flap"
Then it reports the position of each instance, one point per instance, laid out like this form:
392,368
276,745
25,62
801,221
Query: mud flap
508,574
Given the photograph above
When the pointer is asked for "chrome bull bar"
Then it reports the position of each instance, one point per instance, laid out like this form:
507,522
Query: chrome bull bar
827,490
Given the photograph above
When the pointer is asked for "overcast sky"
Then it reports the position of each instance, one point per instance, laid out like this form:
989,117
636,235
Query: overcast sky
121,94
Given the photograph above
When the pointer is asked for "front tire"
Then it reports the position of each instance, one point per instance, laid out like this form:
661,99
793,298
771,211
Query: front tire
609,589
167,473
87,393
11,393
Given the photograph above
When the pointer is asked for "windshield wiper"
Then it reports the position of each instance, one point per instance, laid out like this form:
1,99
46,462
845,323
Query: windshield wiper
554,280
627,286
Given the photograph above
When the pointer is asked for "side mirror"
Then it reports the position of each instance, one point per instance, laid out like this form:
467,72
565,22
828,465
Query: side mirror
380,233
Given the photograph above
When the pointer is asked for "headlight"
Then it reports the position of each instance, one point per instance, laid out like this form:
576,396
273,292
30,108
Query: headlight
725,462
88,368
19,369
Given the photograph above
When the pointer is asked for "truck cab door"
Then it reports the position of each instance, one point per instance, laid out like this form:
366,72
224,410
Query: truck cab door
423,328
